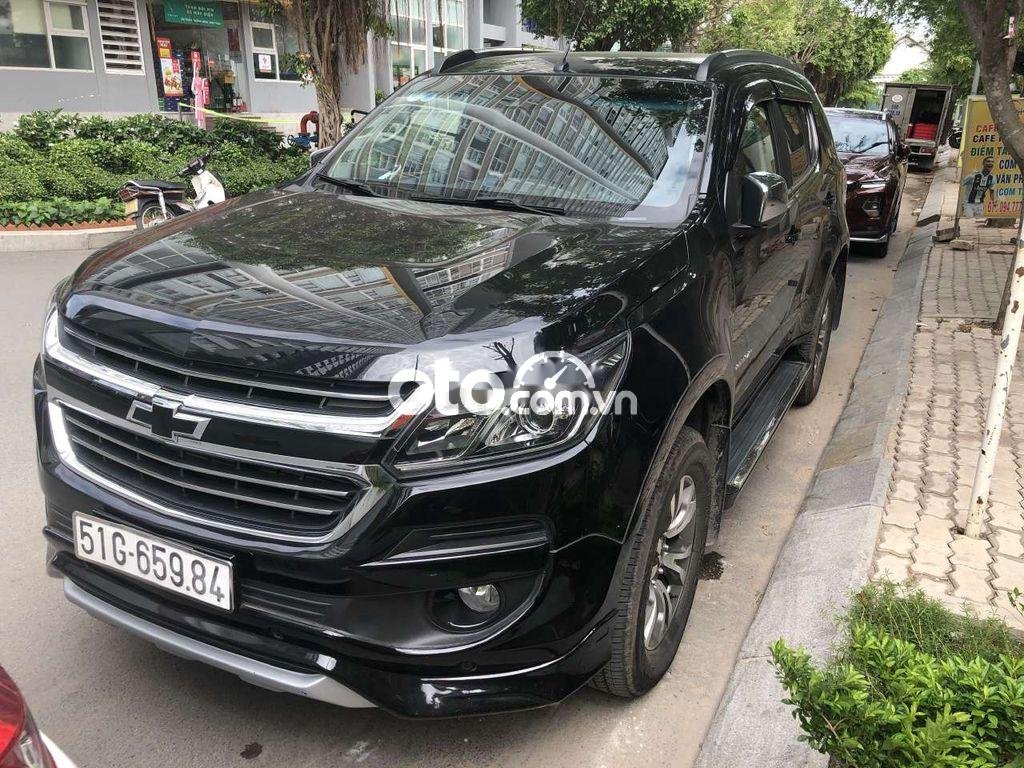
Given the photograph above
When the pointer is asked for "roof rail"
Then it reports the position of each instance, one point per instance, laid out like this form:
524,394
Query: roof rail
715,61
469,54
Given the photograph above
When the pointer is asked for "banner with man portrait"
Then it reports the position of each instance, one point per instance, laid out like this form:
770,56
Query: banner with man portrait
990,182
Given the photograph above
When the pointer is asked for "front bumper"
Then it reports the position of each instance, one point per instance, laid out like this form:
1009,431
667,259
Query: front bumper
348,621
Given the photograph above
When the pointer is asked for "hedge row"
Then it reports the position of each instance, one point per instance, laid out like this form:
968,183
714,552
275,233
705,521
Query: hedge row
912,686
52,159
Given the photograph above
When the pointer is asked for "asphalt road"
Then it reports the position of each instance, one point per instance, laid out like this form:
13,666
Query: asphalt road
111,700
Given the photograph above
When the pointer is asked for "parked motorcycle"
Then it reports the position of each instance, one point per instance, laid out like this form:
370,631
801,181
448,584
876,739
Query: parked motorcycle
152,201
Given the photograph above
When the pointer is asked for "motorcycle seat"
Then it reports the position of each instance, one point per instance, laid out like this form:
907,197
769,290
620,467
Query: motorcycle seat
166,186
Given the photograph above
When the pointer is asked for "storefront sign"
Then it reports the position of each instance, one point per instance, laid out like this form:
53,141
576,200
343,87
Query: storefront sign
264,62
195,12
990,182
170,69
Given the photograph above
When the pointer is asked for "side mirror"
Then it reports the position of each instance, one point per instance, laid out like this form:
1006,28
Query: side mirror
317,155
764,199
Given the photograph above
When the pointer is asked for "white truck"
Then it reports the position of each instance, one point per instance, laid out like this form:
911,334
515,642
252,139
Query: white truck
922,112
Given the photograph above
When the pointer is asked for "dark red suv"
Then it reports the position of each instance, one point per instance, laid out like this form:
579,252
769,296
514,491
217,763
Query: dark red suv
875,155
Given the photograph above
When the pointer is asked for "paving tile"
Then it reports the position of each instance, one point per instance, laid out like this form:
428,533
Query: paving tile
908,450
896,540
936,461
971,584
1008,573
904,514
934,532
1005,516
933,562
971,553
939,484
938,589
912,433
937,506
892,567
909,469
906,490
1008,543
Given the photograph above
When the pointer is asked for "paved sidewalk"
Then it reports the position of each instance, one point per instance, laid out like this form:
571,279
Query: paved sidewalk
938,439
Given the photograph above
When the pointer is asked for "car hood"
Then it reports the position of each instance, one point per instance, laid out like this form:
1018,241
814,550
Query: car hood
294,280
859,166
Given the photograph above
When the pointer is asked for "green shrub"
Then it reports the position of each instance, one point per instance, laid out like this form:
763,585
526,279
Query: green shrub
259,138
60,211
152,129
14,149
42,128
914,686
19,182
54,155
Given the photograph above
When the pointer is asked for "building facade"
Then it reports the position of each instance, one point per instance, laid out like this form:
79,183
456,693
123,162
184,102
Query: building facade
127,56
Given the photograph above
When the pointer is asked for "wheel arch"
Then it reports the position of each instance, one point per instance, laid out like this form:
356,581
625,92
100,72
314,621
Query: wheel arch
706,406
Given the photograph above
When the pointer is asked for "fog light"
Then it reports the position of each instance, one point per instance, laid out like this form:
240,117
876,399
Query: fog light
873,207
481,599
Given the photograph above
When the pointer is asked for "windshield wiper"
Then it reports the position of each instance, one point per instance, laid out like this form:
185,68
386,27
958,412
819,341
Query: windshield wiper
356,187
499,203
863,151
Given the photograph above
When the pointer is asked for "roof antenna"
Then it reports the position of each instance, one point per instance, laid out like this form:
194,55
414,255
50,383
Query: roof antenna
564,65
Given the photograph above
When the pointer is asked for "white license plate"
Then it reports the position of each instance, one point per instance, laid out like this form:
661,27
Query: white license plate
154,561
130,207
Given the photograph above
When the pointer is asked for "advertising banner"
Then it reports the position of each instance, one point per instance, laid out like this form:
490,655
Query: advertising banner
170,69
194,12
990,182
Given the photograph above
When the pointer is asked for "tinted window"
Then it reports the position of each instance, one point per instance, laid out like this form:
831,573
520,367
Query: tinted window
861,135
756,152
606,146
796,129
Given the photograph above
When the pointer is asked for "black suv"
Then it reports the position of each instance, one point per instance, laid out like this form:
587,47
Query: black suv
317,436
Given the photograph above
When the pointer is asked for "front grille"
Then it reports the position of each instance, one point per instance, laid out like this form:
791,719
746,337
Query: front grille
344,398
263,496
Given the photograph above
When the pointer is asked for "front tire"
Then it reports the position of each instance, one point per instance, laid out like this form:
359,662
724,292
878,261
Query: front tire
657,589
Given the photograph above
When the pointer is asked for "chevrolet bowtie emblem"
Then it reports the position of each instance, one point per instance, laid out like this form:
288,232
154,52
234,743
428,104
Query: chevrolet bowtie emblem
162,417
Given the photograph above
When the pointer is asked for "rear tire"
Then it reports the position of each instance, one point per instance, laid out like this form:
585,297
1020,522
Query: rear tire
655,598
814,349
150,215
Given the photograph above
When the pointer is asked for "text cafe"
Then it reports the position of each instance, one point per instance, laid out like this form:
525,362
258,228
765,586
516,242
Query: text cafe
225,56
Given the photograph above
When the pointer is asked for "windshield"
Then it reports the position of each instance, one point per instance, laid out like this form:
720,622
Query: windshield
865,135
603,146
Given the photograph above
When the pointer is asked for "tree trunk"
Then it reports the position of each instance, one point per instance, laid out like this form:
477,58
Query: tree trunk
987,24
328,101
333,31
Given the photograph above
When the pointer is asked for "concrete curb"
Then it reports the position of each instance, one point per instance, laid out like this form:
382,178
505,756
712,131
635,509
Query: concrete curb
61,240
828,552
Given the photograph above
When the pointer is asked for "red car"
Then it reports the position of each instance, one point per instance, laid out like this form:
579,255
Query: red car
875,156
22,745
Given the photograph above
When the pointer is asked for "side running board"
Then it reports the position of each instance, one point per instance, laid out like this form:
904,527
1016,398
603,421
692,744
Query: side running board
755,428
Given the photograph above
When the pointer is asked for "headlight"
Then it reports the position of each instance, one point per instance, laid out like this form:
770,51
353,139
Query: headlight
555,400
51,303
873,206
